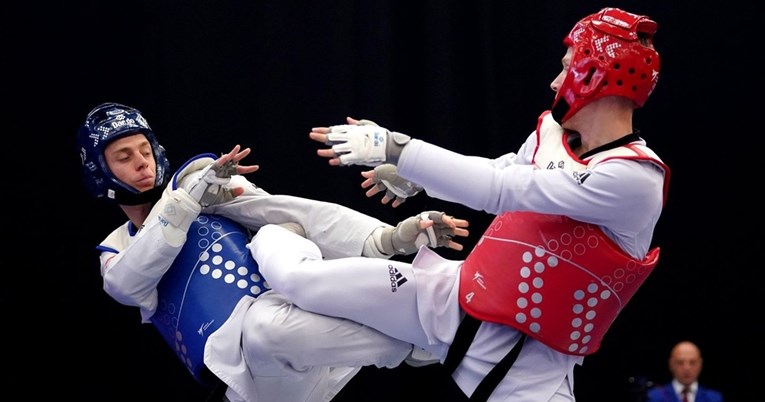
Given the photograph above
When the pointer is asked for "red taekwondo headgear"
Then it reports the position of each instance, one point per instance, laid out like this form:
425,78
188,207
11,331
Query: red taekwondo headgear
613,54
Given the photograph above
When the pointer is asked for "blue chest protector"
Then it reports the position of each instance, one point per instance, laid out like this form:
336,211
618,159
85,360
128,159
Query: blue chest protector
213,271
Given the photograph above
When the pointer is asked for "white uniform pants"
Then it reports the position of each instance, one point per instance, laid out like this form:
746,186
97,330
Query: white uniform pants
423,310
272,351
377,292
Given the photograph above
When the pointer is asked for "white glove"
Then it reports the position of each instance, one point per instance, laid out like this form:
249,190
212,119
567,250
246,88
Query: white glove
175,211
209,185
395,187
365,143
358,144
407,237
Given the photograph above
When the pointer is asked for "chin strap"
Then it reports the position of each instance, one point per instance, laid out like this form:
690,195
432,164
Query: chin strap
123,197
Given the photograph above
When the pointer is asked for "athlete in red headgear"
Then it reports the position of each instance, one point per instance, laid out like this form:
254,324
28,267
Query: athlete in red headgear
576,208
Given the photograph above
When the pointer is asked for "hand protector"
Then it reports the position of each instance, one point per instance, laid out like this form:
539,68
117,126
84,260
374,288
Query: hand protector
386,179
407,237
365,143
209,185
175,212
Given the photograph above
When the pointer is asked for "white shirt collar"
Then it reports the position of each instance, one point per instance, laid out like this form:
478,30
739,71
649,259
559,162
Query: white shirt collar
679,388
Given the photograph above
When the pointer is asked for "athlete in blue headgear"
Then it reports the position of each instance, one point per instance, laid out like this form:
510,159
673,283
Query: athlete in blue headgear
182,258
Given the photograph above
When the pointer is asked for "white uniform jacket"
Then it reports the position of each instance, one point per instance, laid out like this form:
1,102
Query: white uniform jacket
133,262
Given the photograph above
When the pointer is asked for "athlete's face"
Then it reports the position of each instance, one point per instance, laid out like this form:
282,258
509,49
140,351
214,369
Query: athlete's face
565,61
131,160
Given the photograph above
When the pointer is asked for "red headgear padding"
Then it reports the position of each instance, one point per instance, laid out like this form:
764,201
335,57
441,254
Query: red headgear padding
613,54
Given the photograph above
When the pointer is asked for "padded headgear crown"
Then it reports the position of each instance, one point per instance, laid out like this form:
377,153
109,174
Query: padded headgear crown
105,123
613,54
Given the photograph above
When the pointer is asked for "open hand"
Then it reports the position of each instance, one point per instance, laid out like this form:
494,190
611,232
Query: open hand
232,159
447,227
320,134
384,178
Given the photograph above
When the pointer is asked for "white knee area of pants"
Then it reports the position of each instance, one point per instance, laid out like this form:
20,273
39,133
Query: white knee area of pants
299,285
286,260
264,335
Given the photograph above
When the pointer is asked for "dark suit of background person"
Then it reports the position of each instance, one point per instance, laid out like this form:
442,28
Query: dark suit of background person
685,364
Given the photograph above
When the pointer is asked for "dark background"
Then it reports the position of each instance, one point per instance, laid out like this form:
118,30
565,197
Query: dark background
469,76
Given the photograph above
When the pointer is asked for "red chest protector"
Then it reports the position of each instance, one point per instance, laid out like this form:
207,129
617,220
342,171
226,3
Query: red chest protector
561,281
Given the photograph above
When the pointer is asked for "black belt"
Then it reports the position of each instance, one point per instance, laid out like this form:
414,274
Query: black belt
457,351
